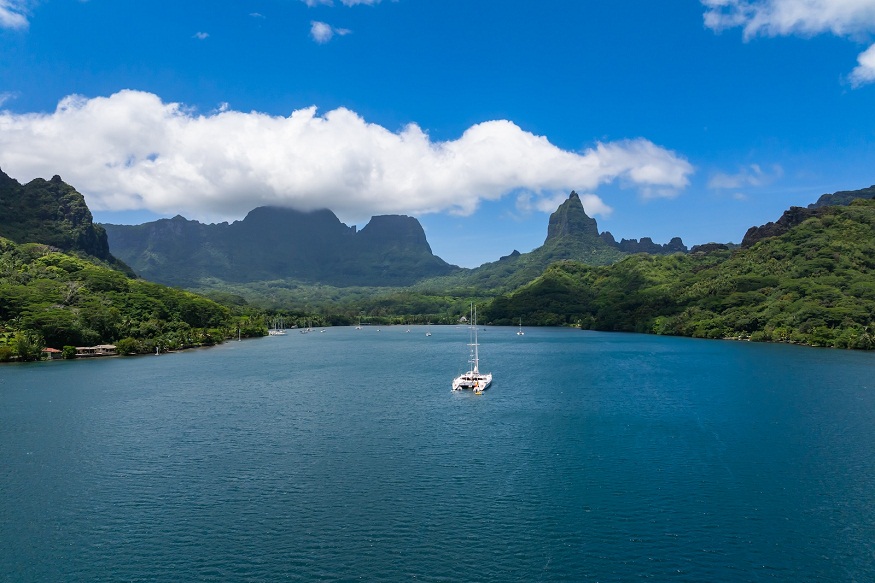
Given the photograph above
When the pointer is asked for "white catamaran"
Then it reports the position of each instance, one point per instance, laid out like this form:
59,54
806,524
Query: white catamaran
473,379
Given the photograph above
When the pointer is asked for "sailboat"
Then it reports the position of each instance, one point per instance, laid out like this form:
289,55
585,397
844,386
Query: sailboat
428,328
473,379
520,332
278,329
359,327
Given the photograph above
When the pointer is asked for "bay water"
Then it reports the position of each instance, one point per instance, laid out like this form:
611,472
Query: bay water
344,455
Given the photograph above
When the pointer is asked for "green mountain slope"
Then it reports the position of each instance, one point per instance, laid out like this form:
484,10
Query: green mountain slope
52,213
49,298
571,234
813,284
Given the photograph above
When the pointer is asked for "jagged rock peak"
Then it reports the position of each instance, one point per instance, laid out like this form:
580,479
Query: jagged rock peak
52,213
571,220
792,217
843,197
608,238
646,245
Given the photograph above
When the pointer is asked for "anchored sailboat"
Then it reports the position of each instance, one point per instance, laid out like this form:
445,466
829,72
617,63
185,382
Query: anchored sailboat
279,328
473,379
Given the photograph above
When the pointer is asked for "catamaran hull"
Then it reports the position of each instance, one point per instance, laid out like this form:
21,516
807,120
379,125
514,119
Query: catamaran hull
475,382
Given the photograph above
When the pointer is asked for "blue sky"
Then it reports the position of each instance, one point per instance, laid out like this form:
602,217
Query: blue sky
690,118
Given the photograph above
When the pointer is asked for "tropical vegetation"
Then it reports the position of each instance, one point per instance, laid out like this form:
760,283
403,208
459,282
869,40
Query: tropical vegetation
815,285
53,299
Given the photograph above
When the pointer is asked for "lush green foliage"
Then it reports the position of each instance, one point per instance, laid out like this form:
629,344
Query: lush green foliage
299,304
815,285
516,270
48,298
53,213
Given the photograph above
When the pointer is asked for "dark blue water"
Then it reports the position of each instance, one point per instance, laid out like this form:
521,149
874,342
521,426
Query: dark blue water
344,455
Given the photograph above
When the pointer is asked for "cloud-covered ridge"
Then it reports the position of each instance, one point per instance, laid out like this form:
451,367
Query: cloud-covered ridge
133,151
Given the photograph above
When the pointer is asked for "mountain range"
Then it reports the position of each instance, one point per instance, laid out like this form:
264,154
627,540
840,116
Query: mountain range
806,278
277,243
316,247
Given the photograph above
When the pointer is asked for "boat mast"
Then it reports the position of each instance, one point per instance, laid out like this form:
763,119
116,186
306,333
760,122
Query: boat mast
476,352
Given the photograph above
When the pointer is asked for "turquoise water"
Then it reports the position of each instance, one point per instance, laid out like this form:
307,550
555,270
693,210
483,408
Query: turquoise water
344,455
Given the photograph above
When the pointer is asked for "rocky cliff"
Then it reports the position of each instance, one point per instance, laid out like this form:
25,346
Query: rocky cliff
570,222
53,213
843,197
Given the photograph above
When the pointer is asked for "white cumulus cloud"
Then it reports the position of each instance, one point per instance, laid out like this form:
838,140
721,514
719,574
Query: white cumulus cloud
748,176
846,18
132,151
201,35
864,72
786,17
314,3
322,32
13,14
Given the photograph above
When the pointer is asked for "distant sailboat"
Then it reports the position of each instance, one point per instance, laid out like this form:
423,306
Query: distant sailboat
428,328
278,329
520,332
473,379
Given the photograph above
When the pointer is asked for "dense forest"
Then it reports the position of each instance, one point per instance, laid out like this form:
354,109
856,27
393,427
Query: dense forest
814,284
52,299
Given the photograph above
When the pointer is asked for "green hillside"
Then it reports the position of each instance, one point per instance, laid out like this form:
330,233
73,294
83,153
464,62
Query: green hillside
571,234
53,213
52,299
814,284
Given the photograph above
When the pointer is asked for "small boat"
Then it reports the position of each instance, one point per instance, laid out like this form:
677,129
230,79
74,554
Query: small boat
278,329
473,379
520,332
359,327
428,328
